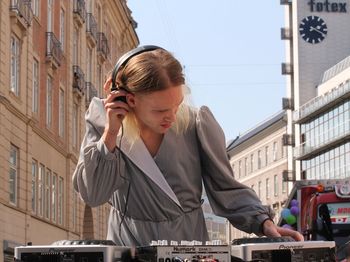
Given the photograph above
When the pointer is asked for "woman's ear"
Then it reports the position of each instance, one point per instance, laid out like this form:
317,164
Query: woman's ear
130,98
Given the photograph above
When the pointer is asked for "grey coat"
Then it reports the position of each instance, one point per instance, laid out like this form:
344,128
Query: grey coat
162,195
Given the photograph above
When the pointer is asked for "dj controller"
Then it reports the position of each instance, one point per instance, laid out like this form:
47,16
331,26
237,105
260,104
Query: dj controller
246,249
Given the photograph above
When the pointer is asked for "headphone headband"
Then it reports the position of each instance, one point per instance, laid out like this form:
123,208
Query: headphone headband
126,57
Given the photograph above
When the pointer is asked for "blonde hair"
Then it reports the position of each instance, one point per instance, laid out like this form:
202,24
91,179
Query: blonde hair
149,72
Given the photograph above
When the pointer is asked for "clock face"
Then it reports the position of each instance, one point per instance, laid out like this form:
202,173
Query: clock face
313,29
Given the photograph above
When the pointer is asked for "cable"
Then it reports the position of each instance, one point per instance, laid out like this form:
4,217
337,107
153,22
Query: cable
120,155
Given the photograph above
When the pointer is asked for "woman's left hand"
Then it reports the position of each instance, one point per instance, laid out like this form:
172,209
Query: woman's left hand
271,230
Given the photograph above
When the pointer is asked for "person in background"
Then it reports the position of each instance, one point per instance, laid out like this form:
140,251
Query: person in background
149,153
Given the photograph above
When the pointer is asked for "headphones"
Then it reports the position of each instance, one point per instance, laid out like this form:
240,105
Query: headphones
126,57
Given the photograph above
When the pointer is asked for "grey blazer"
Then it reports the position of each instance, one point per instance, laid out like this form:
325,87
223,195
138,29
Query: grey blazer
164,192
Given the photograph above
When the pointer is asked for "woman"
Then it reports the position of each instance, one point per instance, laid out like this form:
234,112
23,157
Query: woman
150,156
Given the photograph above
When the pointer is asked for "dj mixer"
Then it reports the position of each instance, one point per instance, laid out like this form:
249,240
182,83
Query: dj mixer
246,249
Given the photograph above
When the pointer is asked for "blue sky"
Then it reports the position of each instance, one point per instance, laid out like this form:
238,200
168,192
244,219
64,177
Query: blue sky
231,51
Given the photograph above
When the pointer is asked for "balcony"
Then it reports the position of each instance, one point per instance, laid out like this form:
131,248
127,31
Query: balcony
287,103
53,50
21,13
334,136
78,81
91,29
285,2
102,47
79,12
322,103
287,69
91,92
286,33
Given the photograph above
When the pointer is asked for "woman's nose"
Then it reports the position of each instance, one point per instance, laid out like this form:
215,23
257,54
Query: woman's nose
171,117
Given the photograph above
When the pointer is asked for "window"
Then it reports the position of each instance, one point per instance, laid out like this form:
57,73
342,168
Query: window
259,159
41,179
89,63
75,126
74,211
34,184
275,185
62,29
35,7
284,186
76,46
239,168
60,200
99,79
89,6
266,155
35,98
61,113
47,194
267,188
49,15
15,66
54,197
259,189
99,18
13,176
49,102
245,166
251,163
274,151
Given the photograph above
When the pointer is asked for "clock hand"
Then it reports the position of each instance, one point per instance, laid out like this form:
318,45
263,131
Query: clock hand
315,29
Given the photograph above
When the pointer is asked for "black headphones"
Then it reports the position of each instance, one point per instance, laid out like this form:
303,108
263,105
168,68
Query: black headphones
126,57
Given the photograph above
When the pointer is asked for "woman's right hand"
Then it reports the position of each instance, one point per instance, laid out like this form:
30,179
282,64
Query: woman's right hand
115,113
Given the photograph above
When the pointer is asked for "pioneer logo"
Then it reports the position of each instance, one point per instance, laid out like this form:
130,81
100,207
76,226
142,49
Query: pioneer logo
290,247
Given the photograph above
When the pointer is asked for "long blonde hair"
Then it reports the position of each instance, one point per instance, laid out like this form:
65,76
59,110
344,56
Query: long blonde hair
149,72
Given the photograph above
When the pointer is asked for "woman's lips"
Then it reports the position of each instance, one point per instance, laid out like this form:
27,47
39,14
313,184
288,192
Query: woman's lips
166,125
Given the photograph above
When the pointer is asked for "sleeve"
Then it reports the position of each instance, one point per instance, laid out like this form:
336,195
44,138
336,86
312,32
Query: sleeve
228,197
96,175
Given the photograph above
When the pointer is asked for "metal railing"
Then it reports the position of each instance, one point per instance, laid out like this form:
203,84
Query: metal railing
78,79
91,26
336,69
91,92
53,48
320,101
102,44
23,9
79,9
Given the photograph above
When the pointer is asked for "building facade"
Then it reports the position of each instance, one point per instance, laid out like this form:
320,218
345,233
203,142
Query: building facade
324,149
316,39
54,57
258,158
217,226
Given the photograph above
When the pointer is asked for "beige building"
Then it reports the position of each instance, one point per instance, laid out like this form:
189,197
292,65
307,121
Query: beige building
54,56
258,158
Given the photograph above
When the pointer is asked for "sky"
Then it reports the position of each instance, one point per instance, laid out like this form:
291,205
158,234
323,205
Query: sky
231,52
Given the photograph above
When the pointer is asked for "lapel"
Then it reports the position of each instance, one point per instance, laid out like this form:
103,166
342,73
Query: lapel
136,152
140,156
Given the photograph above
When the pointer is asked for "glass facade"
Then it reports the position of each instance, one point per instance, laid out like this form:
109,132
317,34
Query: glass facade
327,132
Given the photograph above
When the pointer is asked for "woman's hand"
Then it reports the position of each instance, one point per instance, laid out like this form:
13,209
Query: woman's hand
115,113
271,230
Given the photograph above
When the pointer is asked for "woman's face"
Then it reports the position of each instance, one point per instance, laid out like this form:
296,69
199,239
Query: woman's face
156,111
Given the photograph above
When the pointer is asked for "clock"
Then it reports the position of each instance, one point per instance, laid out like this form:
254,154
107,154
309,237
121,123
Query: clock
313,29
